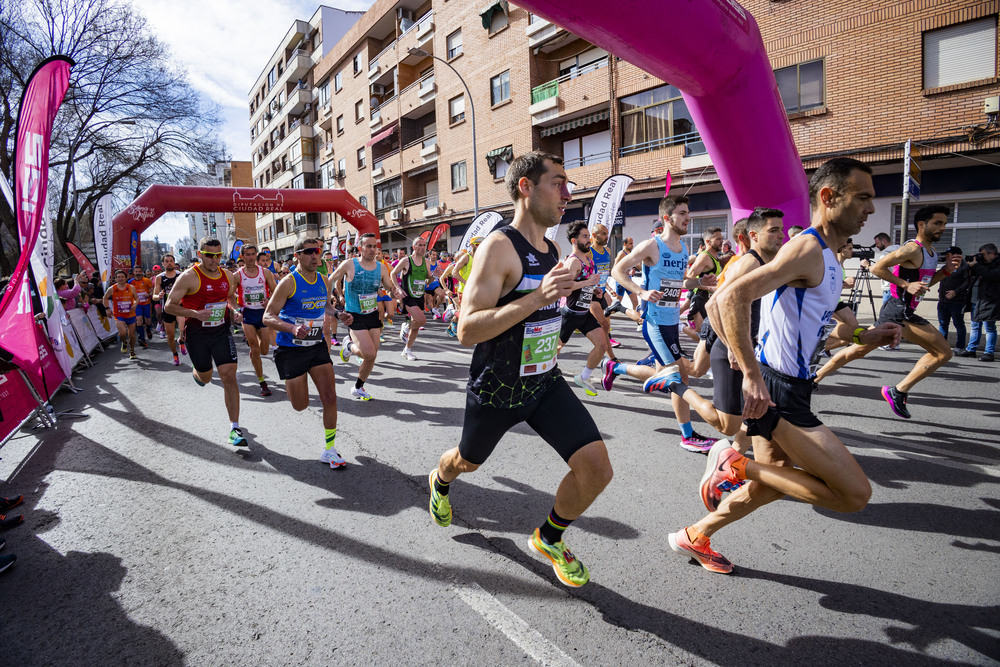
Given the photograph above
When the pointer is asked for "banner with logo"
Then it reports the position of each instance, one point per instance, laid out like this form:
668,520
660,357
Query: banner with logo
81,259
237,248
133,248
425,235
84,329
608,201
103,325
103,236
437,233
17,403
480,227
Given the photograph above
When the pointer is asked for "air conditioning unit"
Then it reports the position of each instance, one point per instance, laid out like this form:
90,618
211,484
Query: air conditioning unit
394,214
404,13
341,173
274,104
378,89
309,106
267,116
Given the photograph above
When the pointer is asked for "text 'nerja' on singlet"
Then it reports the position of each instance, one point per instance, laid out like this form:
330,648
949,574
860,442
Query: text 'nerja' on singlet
924,274
361,294
666,276
795,321
253,291
213,294
306,305
517,366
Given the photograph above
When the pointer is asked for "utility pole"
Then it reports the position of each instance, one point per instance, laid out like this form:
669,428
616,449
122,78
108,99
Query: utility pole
911,186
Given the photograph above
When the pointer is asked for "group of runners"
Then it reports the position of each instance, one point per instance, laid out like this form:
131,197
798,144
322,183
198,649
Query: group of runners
763,322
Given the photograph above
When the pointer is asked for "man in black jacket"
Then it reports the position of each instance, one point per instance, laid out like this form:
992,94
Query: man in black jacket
985,269
952,295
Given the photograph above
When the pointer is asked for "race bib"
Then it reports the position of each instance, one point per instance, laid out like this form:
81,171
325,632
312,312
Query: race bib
313,337
671,290
254,299
142,296
538,353
417,286
216,315
602,278
368,303
123,305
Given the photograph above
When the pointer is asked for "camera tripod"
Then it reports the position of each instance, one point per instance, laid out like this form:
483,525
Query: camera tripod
862,285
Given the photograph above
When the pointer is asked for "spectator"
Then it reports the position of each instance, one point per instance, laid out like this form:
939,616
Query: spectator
69,294
985,269
794,231
953,292
98,295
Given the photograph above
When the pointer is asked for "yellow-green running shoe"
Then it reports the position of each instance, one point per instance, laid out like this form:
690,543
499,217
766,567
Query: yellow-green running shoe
566,566
440,505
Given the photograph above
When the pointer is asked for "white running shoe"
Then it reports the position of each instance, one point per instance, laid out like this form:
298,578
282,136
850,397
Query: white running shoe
361,393
408,353
586,385
333,457
404,332
345,352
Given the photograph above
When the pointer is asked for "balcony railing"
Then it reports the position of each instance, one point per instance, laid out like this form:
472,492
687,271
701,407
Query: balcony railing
551,88
693,145
429,16
424,141
426,82
430,201
585,160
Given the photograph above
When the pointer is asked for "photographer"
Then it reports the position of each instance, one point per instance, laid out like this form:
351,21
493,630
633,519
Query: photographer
952,295
985,270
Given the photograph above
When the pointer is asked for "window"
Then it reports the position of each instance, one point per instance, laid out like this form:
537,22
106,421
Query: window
358,62
591,149
499,159
456,109
801,86
960,53
587,61
655,118
341,167
500,88
361,158
388,195
455,44
498,21
272,77
324,93
340,124
458,179
359,110
338,81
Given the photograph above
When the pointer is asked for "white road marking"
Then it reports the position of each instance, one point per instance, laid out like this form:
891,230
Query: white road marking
528,640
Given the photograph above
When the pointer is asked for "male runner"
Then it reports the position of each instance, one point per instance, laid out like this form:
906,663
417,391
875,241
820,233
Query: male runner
204,295
601,255
628,244
663,259
296,311
162,285
706,263
796,454
511,316
461,269
576,313
254,284
143,309
413,272
157,305
265,335
362,277
123,303
910,270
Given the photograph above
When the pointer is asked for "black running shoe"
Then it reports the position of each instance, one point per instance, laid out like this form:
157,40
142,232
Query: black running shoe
6,561
10,521
896,400
7,503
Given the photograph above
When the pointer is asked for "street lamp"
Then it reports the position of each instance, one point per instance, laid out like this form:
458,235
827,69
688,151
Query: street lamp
414,51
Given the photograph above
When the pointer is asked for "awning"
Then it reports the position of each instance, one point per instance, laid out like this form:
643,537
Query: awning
595,117
486,13
383,134
506,154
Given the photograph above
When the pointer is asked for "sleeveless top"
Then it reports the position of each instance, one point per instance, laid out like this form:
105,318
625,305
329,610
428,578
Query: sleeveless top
602,262
360,294
667,276
121,301
465,272
795,321
306,305
166,284
253,290
715,270
924,274
518,365
755,304
579,300
416,278
212,293
143,289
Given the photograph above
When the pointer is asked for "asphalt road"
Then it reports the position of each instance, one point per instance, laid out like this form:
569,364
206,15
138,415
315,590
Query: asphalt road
148,541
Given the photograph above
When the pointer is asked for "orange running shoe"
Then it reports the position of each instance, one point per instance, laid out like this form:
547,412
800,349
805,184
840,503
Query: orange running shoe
719,474
712,561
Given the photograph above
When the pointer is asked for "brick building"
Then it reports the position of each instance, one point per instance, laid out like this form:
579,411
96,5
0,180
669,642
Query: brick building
394,126
225,226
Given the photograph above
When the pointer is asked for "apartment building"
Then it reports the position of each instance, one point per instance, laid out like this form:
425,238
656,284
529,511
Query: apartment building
392,120
225,226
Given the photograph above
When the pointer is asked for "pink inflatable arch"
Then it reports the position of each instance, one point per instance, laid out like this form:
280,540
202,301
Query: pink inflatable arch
160,199
713,52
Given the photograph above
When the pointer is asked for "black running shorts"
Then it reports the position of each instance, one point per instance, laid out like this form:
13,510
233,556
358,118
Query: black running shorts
254,317
365,322
791,397
557,415
727,384
168,318
698,301
293,361
217,346
573,320
895,311
707,334
413,302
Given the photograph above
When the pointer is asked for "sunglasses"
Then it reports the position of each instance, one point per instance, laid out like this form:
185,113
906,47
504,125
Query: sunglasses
211,254
310,251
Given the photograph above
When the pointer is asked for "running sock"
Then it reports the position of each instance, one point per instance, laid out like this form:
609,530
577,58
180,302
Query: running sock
359,384
739,467
234,424
331,434
552,530
678,387
619,368
686,429
260,380
585,373
439,486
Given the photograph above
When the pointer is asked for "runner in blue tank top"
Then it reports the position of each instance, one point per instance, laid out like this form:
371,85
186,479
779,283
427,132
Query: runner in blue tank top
296,311
800,290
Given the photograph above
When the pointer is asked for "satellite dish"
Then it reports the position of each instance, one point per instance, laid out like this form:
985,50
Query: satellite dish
374,102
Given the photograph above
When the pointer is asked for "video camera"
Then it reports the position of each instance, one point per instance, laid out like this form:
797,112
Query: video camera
864,252
978,258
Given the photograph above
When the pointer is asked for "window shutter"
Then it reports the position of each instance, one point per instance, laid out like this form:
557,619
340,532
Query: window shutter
960,53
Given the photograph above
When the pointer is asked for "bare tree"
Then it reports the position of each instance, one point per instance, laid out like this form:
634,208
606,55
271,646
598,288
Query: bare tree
130,118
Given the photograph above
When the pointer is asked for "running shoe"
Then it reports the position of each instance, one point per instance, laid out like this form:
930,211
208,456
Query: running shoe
124,348
236,438
6,561
143,344
359,392
897,401
163,335
609,374
184,349
614,343
334,342
662,380
615,307
345,352
10,521
332,456
712,495
889,348
567,567
440,505
264,390
132,355
697,443
408,354
404,332
8,503
586,385
648,360
712,561
452,330
177,361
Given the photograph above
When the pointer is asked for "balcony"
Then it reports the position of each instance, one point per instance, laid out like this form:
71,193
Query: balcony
297,102
543,33
420,153
383,115
297,66
690,143
387,166
419,35
571,93
417,99
424,207
324,116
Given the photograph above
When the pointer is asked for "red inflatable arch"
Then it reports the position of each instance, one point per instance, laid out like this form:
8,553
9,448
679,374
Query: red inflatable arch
160,199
